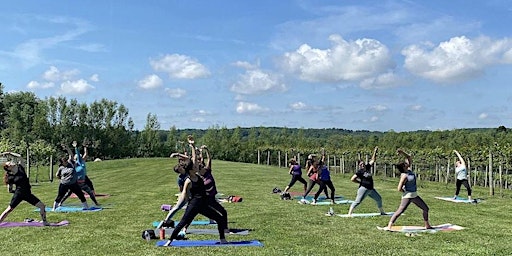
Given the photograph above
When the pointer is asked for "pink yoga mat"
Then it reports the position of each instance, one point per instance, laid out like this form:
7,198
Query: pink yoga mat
31,224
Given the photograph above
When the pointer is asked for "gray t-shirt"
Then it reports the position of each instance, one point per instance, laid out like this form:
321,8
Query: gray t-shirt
67,175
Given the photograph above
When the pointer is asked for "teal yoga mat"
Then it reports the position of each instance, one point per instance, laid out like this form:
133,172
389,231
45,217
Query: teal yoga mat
459,199
195,243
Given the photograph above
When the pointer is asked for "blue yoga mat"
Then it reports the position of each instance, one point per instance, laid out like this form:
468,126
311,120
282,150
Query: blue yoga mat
194,243
71,209
194,222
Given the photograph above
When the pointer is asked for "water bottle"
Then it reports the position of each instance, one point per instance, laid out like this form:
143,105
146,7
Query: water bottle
147,236
162,233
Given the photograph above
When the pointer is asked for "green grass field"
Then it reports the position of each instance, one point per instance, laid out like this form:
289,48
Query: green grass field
139,186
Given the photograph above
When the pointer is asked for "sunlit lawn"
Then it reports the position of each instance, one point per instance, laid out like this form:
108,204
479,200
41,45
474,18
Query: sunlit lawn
139,186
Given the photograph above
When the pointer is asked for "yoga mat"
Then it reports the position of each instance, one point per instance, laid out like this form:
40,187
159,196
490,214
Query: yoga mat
31,224
206,231
194,222
194,243
458,199
373,214
421,229
98,195
71,209
325,202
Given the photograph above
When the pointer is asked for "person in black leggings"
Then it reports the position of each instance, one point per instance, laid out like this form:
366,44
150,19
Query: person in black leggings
198,201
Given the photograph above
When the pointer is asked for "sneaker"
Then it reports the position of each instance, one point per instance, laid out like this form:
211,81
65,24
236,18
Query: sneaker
46,223
168,243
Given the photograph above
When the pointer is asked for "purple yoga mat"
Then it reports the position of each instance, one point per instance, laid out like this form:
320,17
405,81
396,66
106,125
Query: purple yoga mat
31,224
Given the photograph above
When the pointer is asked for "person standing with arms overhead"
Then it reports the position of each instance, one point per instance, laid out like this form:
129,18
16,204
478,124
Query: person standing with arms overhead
15,175
407,186
462,176
194,191
81,173
365,180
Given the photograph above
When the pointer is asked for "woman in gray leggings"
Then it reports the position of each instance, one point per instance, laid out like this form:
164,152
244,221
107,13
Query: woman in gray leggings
407,186
364,177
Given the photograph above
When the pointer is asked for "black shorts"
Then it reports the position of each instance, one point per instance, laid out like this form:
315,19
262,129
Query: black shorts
23,196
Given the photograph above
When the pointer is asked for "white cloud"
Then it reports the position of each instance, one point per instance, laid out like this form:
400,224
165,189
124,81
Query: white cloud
415,107
197,119
37,85
298,105
248,108
176,92
53,74
150,82
94,78
456,60
246,65
372,119
180,67
377,108
76,87
344,61
483,116
258,81
382,81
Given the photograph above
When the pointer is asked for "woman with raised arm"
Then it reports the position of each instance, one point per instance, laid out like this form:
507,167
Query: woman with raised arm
364,178
462,176
68,181
407,186
324,175
194,191
296,172
15,175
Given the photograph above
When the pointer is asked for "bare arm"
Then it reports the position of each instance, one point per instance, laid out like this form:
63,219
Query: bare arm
374,156
355,179
182,156
182,199
208,158
460,157
407,156
84,157
70,154
400,187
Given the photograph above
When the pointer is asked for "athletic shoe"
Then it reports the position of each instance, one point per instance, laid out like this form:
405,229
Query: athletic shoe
46,223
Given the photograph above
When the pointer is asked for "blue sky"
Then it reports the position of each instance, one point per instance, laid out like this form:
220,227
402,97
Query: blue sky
358,65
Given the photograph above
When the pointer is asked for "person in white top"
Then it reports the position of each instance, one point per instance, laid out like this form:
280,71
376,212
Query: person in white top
462,176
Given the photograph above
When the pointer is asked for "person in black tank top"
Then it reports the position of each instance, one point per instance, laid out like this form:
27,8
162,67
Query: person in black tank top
15,175
198,202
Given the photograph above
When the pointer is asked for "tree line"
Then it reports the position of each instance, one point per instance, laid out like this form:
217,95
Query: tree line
40,126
